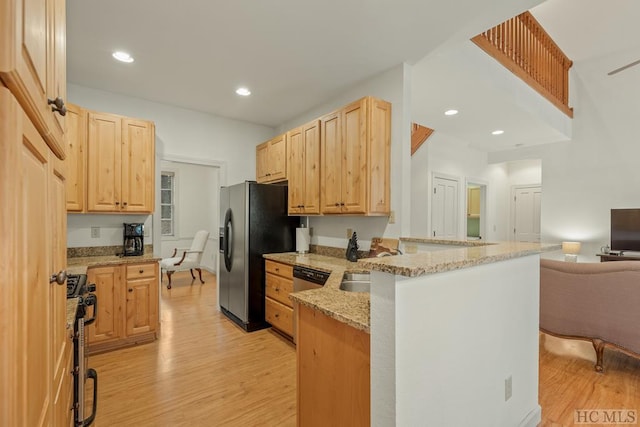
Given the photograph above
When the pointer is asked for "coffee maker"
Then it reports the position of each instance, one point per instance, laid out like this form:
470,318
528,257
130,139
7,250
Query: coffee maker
133,239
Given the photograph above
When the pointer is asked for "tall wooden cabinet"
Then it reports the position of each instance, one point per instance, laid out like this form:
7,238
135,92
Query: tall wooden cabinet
271,160
120,164
127,305
303,164
35,345
355,151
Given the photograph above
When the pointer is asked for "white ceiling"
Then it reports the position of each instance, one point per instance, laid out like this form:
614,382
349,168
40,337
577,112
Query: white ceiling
296,54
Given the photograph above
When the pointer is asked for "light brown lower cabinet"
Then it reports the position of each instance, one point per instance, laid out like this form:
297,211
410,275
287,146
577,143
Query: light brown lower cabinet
278,306
334,380
127,306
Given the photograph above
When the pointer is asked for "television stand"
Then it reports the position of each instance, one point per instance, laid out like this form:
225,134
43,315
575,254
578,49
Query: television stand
612,257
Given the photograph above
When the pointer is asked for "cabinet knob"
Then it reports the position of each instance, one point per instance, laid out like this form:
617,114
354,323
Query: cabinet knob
124,204
130,289
277,289
117,203
140,271
277,315
59,278
337,204
57,105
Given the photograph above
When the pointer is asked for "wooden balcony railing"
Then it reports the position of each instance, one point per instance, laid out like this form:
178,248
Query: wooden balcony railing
524,47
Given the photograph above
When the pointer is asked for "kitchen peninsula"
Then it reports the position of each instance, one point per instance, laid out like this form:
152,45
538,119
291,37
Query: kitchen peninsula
454,333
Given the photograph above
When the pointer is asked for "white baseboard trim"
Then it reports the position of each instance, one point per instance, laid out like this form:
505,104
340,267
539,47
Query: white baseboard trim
533,418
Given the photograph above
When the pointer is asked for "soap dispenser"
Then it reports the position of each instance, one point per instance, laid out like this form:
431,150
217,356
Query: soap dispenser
352,248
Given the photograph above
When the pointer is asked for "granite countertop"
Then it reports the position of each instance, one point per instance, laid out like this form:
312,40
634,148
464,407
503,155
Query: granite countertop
353,308
72,308
418,264
79,265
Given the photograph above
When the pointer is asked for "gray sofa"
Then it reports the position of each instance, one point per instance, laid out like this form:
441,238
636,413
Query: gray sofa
599,302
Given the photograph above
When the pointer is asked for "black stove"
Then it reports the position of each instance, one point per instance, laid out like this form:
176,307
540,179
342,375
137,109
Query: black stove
77,287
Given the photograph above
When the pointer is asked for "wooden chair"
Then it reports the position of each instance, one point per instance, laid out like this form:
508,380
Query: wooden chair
189,260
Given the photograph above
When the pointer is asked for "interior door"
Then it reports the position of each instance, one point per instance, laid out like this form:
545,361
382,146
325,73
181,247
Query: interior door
444,208
526,208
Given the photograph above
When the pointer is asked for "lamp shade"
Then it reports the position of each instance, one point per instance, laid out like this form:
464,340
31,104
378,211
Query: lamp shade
571,248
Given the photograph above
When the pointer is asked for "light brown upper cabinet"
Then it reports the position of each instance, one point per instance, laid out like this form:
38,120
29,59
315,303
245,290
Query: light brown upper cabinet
304,169
271,160
355,152
76,149
120,163
33,63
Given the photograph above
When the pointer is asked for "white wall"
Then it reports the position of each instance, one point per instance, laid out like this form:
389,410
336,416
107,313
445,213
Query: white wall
180,133
391,86
595,172
443,344
111,229
196,208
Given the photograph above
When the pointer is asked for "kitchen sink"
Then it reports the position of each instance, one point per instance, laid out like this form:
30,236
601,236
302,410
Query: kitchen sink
356,282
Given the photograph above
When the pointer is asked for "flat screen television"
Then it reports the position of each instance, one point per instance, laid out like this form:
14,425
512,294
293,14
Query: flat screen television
625,229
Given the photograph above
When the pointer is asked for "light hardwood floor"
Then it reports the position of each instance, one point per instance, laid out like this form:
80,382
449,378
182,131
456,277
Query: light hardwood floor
205,371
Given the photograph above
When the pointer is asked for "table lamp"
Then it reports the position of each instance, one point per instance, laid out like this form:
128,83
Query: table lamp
570,251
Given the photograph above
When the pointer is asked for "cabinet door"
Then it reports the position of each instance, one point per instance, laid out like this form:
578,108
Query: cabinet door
278,158
331,169
142,305
25,34
104,160
76,157
262,162
60,334
57,66
354,158
25,317
379,161
108,324
311,168
296,173
138,159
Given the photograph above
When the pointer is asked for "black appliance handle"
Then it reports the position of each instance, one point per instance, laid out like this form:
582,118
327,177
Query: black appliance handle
228,239
91,299
91,373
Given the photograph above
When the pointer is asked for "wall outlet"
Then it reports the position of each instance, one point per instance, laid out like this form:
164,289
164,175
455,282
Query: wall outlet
508,388
95,232
392,217
349,232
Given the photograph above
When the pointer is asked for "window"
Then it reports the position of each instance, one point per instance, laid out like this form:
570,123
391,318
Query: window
167,208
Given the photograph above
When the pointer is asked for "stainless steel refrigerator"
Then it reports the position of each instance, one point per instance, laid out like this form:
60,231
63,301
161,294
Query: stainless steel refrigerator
253,221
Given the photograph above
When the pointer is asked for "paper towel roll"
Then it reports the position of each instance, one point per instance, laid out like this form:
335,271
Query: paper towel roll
302,240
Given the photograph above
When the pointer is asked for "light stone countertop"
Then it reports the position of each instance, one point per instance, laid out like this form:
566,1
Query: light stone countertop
72,308
79,265
353,308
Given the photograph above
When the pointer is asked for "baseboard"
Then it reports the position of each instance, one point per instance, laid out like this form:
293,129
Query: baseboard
533,418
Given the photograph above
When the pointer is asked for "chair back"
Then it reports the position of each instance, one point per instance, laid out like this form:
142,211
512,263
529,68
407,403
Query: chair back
198,244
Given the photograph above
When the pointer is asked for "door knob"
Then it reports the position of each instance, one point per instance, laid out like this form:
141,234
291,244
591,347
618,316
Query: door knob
59,278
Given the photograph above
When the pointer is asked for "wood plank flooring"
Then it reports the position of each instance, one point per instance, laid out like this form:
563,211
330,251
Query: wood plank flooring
205,371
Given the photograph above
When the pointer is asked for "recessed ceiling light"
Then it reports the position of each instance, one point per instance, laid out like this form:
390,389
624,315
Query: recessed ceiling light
122,56
243,91
497,132
451,112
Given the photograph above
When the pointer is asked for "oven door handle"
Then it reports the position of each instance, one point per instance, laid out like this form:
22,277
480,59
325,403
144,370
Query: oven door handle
91,299
91,373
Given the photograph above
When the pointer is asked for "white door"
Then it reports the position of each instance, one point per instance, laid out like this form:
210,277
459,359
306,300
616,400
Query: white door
526,211
444,208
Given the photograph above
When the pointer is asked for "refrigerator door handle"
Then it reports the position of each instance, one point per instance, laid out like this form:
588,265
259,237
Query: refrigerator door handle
228,239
